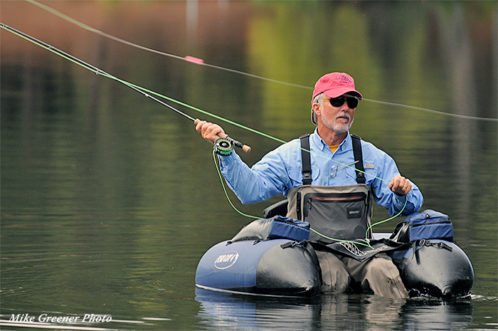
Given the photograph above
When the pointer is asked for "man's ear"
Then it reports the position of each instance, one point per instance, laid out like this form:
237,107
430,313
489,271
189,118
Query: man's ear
316,109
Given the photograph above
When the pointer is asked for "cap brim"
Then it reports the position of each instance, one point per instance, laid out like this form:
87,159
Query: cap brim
334,93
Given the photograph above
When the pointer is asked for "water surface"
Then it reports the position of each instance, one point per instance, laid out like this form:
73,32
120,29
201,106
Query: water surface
108,200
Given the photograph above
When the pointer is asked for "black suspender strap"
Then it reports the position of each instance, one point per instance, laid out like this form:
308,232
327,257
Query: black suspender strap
306,161
305,158
358,158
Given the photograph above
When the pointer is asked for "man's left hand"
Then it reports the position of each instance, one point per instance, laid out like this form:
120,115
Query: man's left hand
400,185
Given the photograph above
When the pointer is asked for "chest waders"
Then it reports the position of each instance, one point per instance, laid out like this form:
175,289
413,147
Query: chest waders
334,212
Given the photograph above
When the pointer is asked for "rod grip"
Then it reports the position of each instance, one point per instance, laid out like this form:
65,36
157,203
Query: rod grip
244,147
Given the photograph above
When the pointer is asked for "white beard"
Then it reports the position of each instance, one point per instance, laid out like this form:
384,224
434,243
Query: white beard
335,124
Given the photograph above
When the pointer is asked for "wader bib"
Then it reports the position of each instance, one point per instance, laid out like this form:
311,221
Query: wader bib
334,212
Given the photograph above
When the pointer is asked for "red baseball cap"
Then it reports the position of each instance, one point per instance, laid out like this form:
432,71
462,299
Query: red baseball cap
335,84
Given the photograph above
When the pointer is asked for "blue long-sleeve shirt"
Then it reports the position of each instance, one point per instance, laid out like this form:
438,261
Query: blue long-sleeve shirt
281,170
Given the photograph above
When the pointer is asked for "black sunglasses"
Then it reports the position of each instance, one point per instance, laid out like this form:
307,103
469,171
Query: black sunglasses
339,101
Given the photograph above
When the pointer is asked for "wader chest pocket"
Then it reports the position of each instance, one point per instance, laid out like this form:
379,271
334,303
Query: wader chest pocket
336,215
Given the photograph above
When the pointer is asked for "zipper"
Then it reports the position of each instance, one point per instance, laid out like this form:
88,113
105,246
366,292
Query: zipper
431,223
350,198
298,205
328,198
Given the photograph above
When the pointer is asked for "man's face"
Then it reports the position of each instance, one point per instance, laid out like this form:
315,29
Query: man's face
338,119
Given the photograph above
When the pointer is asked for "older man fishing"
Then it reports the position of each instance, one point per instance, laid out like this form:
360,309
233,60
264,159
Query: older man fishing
329,177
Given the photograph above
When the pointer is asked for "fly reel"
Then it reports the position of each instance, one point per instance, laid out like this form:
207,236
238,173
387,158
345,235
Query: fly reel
223,146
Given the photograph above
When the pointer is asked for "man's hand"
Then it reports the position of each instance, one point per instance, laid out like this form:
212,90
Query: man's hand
210,131
400,185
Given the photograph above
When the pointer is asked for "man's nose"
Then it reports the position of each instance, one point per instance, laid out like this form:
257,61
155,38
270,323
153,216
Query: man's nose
345,107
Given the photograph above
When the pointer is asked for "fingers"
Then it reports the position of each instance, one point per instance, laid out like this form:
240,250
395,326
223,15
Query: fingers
400,185
209,131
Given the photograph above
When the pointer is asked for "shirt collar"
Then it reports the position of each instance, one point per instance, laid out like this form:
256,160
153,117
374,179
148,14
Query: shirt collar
317,142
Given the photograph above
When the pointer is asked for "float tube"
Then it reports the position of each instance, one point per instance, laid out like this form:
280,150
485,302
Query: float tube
263,259
272,267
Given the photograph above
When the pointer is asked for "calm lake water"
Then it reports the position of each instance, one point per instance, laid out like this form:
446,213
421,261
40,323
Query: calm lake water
109,200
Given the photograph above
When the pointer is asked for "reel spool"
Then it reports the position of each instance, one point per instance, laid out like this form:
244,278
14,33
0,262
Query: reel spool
223,146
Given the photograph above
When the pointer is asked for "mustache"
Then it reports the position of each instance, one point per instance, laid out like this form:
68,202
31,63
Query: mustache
344,115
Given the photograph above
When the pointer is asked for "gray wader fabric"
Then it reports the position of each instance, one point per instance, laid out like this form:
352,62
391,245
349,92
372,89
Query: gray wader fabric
378,275
334,212
335,277
342,212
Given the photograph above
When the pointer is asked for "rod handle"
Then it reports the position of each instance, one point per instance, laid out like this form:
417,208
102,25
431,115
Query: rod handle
244,147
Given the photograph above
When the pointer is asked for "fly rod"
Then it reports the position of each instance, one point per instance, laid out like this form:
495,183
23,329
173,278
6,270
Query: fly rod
224,139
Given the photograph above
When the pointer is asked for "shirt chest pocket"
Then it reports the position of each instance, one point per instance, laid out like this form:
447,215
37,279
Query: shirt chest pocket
342,171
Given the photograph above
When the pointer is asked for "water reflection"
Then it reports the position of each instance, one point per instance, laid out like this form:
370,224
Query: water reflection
108,201
330,312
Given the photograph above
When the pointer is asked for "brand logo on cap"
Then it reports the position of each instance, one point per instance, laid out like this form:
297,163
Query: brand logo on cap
334,79
344,79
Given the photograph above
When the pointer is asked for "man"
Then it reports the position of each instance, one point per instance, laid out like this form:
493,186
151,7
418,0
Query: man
332,164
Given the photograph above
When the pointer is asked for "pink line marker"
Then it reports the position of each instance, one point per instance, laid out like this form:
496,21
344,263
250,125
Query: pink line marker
195,60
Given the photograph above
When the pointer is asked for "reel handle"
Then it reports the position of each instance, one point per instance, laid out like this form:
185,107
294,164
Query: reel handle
240,145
